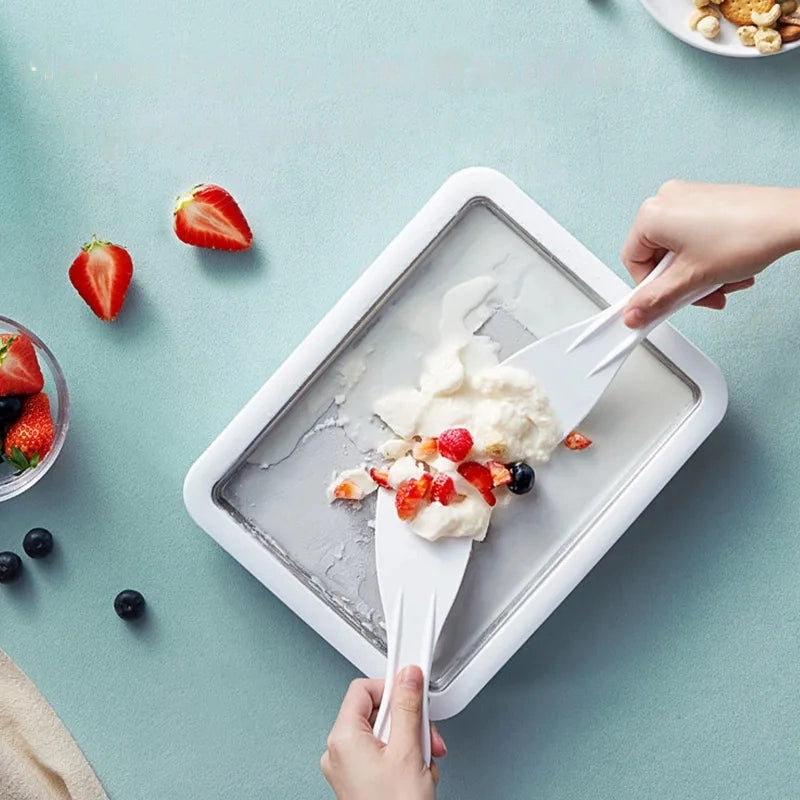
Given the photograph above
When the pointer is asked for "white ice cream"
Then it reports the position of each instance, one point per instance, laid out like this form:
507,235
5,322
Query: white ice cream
463,385
359,478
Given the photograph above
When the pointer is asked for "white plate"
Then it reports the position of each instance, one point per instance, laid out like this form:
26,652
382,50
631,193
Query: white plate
258,488
672,15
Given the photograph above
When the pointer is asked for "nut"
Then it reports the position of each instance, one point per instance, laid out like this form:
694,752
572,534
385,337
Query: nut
768,19
747,35
787,6
789,33
704,3
708,27
768,40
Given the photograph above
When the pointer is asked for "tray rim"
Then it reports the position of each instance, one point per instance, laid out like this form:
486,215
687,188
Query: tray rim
219,457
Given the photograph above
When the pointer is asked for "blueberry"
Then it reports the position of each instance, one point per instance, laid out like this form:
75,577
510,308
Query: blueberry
38,542
129,604
10,408
10,567
522,477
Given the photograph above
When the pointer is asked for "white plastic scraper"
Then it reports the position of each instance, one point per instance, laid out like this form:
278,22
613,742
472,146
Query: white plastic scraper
418,579
574,366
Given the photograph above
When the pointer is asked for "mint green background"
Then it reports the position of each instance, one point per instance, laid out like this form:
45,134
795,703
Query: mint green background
672,671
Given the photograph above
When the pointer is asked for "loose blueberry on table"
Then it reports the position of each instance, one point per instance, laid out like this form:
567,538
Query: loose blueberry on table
10,567
129,604
38,542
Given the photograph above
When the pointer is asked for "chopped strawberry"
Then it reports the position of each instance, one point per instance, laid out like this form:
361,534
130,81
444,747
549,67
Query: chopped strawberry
577,441
500,474
412,495
348,490
443,489
208,216
425,450
30,438
19,370
380,476
489,498
101,274
478,475
455,444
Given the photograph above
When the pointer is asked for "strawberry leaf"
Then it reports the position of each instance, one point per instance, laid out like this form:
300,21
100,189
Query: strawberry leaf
19,460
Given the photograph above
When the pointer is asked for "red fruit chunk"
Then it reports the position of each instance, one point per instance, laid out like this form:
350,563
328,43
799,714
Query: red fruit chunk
30,438
380,476
499,472
412,495
443,490
478,475
577,441
19,370
455,444
101,274
489,498
208,216
348,490
425,450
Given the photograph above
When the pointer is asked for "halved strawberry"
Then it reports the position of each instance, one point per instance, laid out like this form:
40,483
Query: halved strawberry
208,216
19,369
499,472
30,438
478,475
380,476
348,490
443,489
425,450
102,273
455,443
577,441
412,495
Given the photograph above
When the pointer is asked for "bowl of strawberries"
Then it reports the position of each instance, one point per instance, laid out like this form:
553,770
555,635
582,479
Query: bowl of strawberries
34,408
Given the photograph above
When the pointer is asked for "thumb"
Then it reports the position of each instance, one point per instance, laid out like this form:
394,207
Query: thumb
406,712
659,297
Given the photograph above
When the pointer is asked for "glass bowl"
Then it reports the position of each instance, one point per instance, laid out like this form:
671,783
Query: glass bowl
56,388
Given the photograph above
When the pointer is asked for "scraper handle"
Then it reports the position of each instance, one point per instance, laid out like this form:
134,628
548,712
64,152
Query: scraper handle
407,645
686,300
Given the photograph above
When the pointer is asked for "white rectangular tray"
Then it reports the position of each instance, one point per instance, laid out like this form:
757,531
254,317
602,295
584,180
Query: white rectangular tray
258,489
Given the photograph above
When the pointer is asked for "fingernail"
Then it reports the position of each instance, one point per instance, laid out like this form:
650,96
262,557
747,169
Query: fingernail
411,678
633,318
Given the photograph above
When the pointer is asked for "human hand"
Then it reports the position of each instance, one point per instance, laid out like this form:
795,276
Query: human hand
358,766
720,234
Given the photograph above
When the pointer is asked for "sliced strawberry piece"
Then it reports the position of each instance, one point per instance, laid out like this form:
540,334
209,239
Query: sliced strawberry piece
577,441
489,498
19,369
499,472
208,216
443,490
101,274
425,450
412,495
455,444
478,475
380,476
348,490
30,438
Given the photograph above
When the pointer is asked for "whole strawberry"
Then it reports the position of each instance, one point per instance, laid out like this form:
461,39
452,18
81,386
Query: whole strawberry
30,438
101,275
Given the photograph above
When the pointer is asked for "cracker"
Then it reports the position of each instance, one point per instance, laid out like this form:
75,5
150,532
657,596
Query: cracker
738,11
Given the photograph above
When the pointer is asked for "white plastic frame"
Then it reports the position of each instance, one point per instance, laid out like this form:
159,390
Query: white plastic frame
227,448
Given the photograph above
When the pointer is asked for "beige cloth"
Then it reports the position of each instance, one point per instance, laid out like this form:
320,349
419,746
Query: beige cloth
39,760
